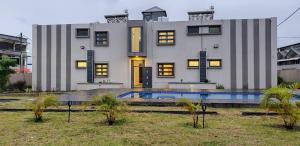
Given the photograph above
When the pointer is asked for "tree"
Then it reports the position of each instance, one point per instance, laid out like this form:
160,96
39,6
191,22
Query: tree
41,103
279,99
192,108
110,106
5,70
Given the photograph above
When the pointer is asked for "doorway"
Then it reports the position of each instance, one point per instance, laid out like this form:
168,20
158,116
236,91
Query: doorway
137,73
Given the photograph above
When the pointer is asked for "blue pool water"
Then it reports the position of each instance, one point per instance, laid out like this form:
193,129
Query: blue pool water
224,96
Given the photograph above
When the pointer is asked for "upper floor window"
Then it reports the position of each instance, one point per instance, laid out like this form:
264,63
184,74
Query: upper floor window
136,41
81,64
214,63
82,32
101,38
101,70
166,37
204,30
193,63
165,70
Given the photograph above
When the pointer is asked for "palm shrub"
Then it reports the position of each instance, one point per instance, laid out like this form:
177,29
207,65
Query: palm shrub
193,108
110,106
279,99
41,103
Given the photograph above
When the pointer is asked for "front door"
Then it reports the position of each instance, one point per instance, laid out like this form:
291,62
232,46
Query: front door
136,73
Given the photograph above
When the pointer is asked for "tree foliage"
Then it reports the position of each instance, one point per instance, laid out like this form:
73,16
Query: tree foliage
41,103
110,106
5,64
193,108
279,99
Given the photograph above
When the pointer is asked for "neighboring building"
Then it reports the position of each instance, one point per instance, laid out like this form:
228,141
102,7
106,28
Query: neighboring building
289,62
14,47
155,53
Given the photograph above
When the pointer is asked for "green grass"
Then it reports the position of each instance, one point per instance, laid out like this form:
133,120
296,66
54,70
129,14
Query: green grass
89,128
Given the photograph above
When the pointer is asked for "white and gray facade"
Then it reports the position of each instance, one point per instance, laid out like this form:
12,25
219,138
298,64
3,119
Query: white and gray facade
235,53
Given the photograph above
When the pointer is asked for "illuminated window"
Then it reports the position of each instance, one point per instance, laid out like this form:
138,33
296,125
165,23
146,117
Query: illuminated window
101,69
136,39
193,63
215,63
101,38
166,37
165,69
81,64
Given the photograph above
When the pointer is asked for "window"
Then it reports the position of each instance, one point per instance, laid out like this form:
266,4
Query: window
193,63
136,44
82,33
81,64
166,37
101,38
204,30
165,69
101,69
214,63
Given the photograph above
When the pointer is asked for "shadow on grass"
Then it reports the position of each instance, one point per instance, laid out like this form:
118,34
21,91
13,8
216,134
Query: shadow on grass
118,122
282,127
32,120
191,125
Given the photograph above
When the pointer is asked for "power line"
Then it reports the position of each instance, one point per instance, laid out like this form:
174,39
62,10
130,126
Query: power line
288,17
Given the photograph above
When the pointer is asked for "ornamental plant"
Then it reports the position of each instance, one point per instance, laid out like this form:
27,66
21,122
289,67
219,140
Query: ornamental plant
110,106
193,108
41,103
279,99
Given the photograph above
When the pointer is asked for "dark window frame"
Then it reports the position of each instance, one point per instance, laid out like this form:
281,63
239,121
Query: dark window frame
199,33
76,31
193,67
166,44
212,67
107,70
165,76
76,65
101,39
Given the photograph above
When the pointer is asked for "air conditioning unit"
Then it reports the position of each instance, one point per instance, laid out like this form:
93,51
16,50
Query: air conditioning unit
216,46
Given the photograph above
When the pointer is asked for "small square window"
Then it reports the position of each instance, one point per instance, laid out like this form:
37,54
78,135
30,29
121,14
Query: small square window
101,38
82,33
193,63
165,70
166,37
81,64
101,70
214,63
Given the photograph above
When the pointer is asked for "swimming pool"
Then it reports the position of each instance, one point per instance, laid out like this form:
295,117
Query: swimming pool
227,97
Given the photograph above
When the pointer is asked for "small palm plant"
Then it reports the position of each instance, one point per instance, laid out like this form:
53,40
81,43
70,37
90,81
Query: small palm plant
110,106
279,99
193,108
41,103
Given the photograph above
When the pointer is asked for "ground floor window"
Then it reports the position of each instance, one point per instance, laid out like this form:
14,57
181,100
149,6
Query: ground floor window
165,70
214,63
193,63
101,70
81,64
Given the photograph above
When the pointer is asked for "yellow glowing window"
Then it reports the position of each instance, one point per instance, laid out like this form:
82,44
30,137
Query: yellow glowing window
136,39
193,63
81,64
101,70
166,37
215,63
165,69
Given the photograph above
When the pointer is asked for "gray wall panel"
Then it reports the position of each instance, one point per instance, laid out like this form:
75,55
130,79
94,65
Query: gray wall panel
245,54
58,57
48,59
39,59
268,54
256,53
233,53
68,57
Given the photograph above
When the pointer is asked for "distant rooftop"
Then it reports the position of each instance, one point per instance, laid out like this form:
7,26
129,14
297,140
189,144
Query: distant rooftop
154,9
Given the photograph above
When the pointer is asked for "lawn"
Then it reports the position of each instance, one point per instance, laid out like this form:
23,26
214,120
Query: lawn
89,128
229,127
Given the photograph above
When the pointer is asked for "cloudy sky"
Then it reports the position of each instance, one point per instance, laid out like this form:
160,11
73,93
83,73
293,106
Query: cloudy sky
19,15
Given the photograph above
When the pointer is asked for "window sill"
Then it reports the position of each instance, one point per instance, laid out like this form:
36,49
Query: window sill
192,67
214,67
165,44
165,76
196,34
81,37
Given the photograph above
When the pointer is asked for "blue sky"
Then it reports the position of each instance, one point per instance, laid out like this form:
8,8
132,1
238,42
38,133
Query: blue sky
19,15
